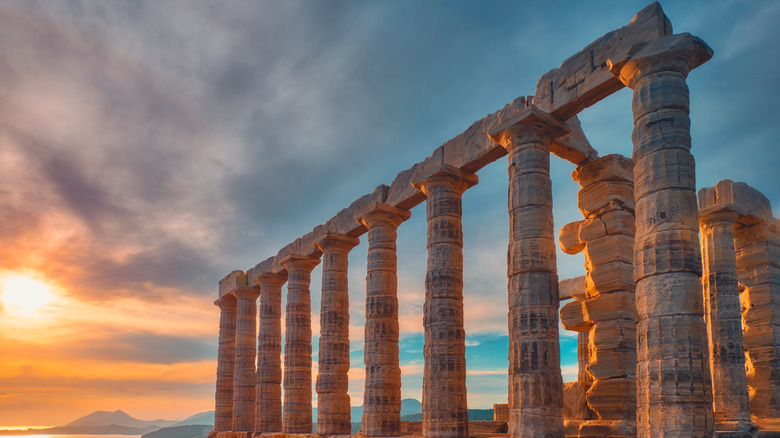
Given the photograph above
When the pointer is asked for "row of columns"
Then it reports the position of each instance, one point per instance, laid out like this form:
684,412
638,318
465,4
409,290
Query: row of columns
673,375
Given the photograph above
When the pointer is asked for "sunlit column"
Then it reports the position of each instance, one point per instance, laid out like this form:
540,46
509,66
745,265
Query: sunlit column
723,315
382,393
333,402
297,416
226,357
246,350
445,412
535,380
674,385
268,416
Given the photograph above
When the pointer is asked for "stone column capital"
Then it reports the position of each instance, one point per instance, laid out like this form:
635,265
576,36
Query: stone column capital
299,262
335,243
247,292
717,213
380,213
677,53
444,175
531,124
271,278
226,302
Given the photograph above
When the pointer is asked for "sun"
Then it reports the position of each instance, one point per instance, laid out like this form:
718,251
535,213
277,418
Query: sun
23,294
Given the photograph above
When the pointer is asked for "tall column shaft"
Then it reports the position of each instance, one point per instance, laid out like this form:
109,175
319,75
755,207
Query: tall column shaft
758,263
723,316
226,364
674,396
333,402
535,381
297,352
268,414
445,412
382,393
246,350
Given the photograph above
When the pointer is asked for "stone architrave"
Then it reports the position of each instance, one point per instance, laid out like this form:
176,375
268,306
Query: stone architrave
226,357
268,415
333,402
246,349
674,390
297,415
445,412
382,393
722,313
535,381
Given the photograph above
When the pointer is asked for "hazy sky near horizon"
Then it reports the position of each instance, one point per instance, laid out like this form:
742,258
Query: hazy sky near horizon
148,148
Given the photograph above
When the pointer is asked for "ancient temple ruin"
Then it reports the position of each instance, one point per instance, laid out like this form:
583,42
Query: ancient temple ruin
678,314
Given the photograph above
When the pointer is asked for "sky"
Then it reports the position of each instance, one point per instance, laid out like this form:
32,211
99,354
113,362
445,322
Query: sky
148,148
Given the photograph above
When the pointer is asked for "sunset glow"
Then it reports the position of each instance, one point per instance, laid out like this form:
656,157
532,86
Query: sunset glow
24,295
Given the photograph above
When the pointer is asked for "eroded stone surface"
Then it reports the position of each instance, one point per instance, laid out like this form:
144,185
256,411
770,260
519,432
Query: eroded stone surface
382,393
445,413
245,378
268,415
226,362
297,351
535,382
673,380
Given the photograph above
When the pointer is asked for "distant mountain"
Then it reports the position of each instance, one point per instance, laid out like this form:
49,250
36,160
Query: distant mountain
410,406
474,415
116,418
198,419
187,431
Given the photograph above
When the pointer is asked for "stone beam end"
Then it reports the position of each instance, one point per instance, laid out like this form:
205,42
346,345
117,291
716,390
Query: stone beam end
232,282
751,205
574,146
585,78
572,288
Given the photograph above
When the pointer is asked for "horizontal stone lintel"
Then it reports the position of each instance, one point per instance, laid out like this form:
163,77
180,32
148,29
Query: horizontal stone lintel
580,81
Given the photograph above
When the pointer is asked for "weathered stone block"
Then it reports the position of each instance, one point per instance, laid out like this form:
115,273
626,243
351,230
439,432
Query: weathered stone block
569,238
619,222
607,168
598,195
608,249
614,276
612,399
610,306
572,288
573,317
575,407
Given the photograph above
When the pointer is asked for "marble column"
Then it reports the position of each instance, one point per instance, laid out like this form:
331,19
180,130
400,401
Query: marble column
297,350
333,402
445,413
723,316
535,381
246,350
268,415
382,393
674,389
226,357
758,270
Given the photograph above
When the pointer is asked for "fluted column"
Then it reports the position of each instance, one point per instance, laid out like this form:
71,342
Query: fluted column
297,350
535,381
268,414
382,393
333,406
226,364
246,350
758,270
674,392
445,412
723,316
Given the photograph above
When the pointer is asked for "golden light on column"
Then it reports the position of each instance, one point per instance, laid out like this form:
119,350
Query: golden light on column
23,294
